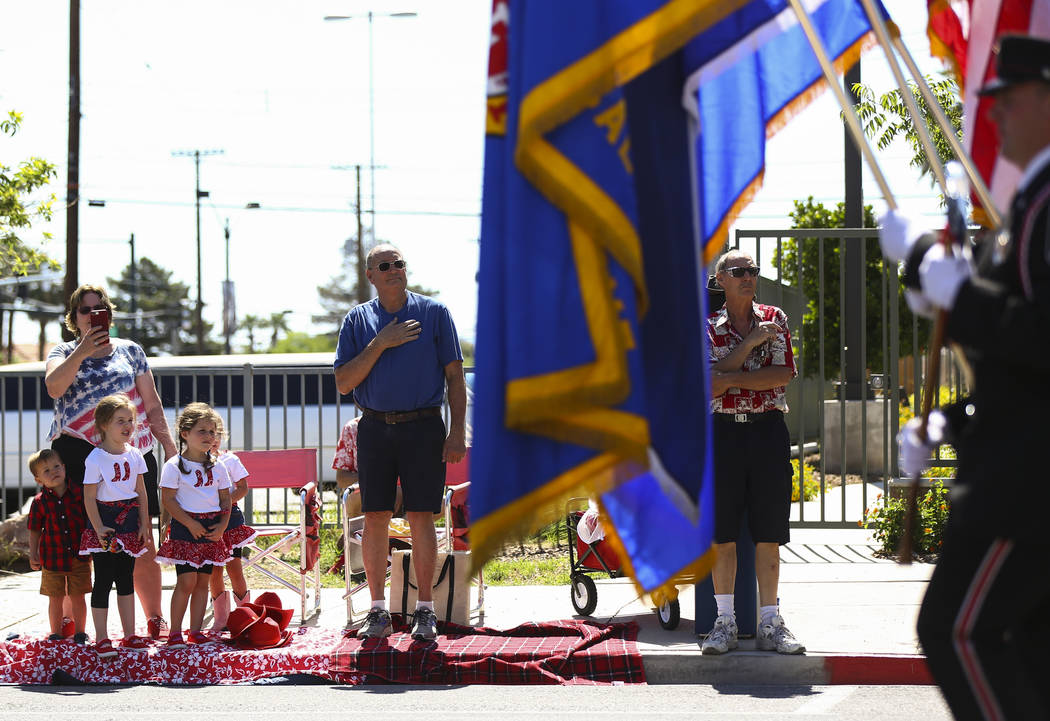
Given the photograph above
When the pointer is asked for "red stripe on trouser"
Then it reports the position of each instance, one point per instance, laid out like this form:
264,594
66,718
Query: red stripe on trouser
967,618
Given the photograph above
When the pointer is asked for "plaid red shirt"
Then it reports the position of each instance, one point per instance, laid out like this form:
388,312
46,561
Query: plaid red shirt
62,520
724,338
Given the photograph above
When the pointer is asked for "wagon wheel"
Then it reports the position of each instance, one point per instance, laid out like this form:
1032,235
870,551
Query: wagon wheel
584,594
669,614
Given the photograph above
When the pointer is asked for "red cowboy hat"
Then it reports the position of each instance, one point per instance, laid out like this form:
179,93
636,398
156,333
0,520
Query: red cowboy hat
268,605
241,619
263,634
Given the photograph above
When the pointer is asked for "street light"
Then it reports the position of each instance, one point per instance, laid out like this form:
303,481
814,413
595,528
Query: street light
371,103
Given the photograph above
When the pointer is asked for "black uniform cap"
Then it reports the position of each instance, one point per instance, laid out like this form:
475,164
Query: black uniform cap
1019,59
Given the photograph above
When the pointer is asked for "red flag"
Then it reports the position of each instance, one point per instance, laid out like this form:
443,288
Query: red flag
964,34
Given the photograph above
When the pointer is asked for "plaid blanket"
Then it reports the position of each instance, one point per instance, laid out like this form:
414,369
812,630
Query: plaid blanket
557,652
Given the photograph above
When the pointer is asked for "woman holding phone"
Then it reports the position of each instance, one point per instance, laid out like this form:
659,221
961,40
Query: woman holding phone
78,375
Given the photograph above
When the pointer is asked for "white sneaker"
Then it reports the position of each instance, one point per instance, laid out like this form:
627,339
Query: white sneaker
775,636
722,637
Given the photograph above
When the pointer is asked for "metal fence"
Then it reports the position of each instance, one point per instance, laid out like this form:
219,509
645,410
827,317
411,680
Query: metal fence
847,440
290,401
266,401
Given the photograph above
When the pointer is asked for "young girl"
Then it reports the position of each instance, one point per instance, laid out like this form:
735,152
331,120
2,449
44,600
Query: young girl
195,490
119,530
238,535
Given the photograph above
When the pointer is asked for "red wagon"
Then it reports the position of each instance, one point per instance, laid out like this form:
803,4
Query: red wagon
587,559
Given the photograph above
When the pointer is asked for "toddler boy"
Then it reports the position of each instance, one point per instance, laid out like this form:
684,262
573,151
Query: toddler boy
56,522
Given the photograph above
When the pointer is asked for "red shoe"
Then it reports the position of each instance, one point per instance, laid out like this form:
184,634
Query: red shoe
196,638
134,643
158,628
68,627
104,649
174,642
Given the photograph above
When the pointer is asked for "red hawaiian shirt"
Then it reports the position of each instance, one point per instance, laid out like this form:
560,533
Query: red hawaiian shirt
723,338
61,520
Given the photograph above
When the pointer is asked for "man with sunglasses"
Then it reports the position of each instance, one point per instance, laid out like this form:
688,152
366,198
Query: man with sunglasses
397,353
751,363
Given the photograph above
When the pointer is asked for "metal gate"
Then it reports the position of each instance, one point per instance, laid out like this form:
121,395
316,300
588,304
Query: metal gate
844,441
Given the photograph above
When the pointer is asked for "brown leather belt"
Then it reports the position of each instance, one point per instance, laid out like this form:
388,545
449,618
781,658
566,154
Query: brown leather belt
393,417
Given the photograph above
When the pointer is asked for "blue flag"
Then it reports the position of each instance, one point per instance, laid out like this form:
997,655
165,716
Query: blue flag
591,355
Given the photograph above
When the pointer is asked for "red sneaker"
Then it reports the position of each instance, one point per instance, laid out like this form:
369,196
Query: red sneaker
197,638
134,643
174,641
68,627
104,649
158,628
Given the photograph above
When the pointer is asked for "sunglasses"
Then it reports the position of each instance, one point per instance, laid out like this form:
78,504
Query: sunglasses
385,265
740,272
85,310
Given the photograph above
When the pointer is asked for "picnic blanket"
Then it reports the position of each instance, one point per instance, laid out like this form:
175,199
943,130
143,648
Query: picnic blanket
37,661
557,652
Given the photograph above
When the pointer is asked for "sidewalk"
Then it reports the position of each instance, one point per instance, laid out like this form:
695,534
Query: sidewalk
854,612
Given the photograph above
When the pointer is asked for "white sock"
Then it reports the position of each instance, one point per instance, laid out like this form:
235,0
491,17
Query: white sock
725,603
767,612
425,604
380,604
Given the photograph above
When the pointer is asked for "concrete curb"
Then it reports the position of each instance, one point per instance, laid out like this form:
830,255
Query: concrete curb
761,668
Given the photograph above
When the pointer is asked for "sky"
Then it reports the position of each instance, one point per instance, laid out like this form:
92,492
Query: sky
284,95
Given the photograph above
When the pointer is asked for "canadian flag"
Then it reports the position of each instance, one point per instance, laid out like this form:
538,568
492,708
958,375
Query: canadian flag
964,32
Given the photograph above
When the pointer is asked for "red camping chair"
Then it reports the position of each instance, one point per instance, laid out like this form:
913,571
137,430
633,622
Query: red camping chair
453,537
292,469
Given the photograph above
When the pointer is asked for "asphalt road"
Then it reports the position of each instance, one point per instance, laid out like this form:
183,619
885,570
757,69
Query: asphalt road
393,703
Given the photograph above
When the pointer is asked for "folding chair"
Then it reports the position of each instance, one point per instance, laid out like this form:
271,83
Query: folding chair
296,469
454,535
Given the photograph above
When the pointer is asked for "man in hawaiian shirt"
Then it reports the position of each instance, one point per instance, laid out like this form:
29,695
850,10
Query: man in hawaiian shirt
751,363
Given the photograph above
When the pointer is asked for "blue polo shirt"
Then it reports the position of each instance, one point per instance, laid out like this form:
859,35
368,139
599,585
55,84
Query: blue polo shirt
411,375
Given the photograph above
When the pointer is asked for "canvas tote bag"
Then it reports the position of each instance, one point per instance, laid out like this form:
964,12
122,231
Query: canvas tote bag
451,586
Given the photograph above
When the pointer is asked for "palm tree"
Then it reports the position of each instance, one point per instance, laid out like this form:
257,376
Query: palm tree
278,324
249,323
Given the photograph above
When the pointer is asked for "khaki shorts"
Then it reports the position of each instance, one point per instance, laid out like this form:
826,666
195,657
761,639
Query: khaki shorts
67,583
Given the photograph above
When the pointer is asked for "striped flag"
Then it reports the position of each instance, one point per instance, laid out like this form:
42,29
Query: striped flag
964,33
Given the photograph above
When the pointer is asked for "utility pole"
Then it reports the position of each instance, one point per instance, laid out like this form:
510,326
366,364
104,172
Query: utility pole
362,281
73,158
198,319
134,290
359,248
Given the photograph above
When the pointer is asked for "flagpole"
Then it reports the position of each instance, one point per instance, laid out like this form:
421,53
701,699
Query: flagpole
847,108
976,181
883,36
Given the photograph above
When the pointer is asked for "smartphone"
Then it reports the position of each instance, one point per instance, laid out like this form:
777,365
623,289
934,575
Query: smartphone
100,319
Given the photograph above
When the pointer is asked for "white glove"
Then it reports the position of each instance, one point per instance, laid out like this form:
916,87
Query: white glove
941,277
914,454
897,234
918,304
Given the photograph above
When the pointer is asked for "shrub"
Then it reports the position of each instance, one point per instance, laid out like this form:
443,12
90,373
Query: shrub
810,485
886,520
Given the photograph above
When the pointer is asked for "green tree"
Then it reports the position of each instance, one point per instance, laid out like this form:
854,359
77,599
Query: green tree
277,323
165,305
886,118
18,212
296,342
248,324
808,250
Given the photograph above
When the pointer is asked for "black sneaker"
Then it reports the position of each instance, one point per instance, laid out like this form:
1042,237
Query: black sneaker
377,624
424,625
80,638
56,637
